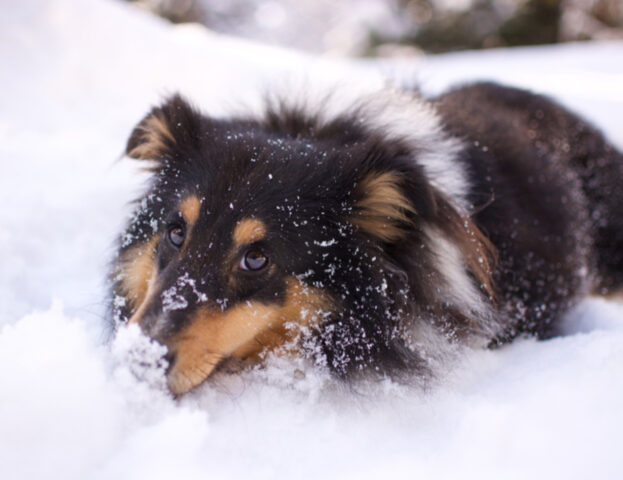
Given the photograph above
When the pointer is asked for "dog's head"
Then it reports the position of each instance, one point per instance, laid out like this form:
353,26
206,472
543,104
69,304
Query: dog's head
252,227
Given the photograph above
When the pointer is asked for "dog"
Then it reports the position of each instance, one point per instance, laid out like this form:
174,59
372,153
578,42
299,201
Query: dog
370,241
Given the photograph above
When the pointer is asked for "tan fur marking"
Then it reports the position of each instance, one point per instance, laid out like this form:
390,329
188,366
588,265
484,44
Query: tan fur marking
249,230
613,295
137,270
481,258
154,138
138,314
190,207
479,254
383,208
243,332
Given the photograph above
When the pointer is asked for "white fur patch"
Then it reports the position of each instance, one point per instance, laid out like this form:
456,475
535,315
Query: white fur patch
405,116
459,288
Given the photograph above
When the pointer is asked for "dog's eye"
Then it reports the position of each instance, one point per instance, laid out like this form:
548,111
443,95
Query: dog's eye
176,235
253,260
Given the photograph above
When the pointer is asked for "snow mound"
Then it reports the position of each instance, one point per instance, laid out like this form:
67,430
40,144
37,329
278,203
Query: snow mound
78,74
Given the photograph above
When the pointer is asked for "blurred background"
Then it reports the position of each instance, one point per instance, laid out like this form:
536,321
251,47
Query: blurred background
386,28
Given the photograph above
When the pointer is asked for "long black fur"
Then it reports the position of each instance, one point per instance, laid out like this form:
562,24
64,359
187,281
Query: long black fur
552,189
539,227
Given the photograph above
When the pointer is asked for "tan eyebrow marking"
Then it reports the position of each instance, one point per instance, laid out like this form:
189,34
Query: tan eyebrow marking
249,230
190,209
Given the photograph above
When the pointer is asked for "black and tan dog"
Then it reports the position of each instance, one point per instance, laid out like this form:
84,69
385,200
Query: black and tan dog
372,240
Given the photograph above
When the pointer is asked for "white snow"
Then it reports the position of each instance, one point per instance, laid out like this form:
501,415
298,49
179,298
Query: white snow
76,76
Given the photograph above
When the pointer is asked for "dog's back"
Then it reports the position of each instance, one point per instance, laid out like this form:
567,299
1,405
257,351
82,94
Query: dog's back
547,190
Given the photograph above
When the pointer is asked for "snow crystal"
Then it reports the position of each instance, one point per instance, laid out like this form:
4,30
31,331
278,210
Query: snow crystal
326,243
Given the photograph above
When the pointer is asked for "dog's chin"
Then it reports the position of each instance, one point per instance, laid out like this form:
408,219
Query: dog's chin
182,380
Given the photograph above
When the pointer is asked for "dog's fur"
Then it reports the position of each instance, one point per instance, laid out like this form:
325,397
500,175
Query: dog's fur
388,231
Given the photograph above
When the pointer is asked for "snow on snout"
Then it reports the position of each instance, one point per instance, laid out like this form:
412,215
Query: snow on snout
173,298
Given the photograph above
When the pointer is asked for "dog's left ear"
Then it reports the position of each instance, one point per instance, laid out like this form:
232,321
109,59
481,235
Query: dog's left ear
386,203
173,126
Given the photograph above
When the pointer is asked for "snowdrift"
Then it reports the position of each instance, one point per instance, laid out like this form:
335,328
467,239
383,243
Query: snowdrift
77,75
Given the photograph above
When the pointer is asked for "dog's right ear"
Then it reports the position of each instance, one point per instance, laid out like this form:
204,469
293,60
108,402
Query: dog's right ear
174,126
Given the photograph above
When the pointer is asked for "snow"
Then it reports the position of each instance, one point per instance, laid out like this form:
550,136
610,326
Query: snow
77,76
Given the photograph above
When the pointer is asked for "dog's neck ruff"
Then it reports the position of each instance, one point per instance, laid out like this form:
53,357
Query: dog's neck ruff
406,117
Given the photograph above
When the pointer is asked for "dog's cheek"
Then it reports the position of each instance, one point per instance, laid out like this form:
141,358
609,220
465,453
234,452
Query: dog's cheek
213,335
244,331
136,270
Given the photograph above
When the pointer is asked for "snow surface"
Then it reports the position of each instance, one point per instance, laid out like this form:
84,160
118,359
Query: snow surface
76,76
